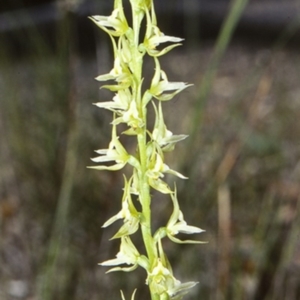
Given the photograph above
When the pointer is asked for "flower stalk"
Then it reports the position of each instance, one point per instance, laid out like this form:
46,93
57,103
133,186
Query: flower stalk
129,106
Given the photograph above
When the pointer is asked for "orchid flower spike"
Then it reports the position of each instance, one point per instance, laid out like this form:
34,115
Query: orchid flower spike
129,105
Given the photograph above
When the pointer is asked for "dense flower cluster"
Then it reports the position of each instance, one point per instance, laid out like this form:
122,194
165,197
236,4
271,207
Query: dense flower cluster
129,106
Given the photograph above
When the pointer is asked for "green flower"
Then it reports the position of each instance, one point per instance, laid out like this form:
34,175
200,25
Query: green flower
125,107
160,86
128,213
161,135
154,37
115,152
180,289
160,279
121,102
128,255
156,170
157,167
177,224
115,24
131,117
120,73
163,283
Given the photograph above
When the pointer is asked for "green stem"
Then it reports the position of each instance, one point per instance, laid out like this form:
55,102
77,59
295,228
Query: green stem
144,188
145,200
145,197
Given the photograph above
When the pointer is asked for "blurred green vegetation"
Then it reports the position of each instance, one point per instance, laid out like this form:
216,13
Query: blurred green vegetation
242,160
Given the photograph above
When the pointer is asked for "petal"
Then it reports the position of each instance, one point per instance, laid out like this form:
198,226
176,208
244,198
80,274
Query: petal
106,158
109,105
177,292
128,228
115,167
178,241
156,77
170,142
160,186
133,295
171,86
124,269
116,87
156,53
168,96
105,77
187,229
175,214
170,171
122,295
176,138
113,262
128,254
159,39
116,20
113,219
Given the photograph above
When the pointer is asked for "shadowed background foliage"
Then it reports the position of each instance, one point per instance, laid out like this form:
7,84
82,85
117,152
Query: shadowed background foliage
242,157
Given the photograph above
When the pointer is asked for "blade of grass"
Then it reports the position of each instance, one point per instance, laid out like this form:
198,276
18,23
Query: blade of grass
228,27
221,45
51,276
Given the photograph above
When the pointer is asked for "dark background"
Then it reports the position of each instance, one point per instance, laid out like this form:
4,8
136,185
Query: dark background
242,157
